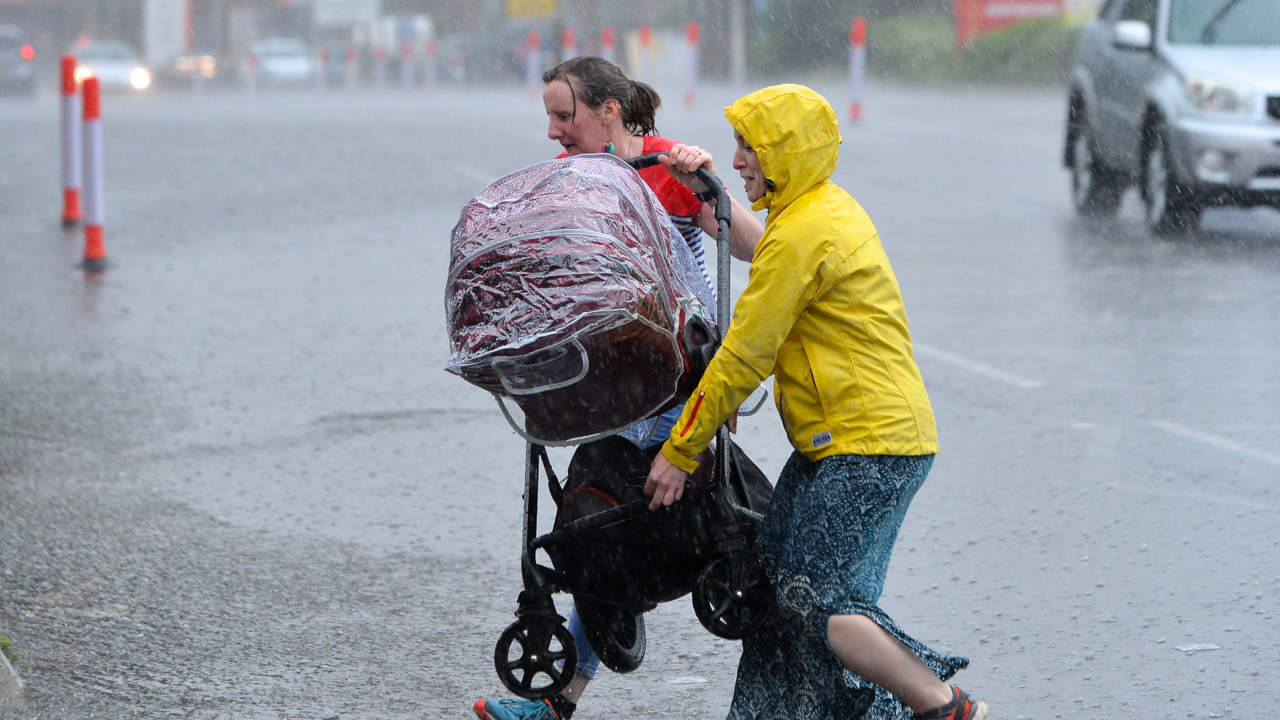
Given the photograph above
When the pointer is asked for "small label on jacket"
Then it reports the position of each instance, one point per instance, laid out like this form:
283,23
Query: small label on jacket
822,438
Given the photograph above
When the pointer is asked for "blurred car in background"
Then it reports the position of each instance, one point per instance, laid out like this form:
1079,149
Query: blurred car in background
188,68
282,62
115,63
16,55
1181,98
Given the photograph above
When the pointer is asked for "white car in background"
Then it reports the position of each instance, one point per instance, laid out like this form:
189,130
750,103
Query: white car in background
116,65
282,61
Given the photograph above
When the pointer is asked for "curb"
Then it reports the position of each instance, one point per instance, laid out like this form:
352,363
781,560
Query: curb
10,683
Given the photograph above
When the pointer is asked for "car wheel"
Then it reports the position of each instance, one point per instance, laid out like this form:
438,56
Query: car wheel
1095,189
1169,206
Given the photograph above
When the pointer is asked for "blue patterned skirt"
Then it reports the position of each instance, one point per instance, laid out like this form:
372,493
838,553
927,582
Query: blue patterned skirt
825,544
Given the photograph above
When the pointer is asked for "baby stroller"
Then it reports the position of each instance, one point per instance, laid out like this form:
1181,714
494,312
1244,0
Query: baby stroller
566,299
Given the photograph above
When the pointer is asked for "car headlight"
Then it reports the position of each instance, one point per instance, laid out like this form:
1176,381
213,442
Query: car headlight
1219,95
82,72
140,79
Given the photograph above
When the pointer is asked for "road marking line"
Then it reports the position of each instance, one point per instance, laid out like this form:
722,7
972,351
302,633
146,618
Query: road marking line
977,367
1217,441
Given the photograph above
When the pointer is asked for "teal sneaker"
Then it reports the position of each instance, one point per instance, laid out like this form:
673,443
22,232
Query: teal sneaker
556,708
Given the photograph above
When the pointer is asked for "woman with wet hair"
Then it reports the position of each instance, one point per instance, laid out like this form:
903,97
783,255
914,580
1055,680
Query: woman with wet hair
593,107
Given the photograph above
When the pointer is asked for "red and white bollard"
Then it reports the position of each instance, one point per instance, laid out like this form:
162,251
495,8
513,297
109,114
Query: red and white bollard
691,64
251,72
429,66
646,45
379,66
568,44
533,63
352,69
322,68
607,40
95,253
70,144
857,66
406,64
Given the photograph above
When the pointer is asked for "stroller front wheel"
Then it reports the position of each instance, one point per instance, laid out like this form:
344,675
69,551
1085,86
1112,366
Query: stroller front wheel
535,657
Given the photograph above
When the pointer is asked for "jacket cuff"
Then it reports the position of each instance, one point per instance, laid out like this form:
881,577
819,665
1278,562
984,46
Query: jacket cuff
675,457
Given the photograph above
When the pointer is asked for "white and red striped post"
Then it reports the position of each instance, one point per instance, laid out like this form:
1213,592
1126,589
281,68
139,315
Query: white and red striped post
607,41
691,63
379,66
95,253
568,44
251,72
322,68
429,66
646,43
351,68
70,144
857,66
533,63
406,64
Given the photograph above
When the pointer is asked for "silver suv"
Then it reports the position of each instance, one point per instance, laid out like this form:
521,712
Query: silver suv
1181,97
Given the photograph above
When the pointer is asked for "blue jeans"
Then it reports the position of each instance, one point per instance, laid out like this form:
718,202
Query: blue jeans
654,431
588,661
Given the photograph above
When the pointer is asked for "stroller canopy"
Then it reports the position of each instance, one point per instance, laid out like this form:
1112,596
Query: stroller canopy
566,294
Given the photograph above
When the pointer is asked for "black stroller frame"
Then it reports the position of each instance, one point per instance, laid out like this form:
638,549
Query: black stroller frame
536,657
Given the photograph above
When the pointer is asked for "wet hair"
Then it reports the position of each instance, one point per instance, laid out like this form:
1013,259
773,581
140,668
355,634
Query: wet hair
598,80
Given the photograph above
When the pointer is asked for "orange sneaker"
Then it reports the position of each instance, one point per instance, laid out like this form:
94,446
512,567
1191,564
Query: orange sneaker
961,707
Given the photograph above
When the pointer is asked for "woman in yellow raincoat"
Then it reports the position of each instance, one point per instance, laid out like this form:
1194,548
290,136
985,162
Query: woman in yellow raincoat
823,314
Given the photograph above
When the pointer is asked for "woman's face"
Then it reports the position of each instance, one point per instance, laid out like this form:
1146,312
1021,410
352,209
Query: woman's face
577,132
747,164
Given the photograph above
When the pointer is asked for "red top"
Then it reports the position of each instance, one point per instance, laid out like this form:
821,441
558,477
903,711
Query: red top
676,199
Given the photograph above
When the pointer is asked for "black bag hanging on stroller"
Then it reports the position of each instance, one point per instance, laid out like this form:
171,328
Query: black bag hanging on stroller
619,560
565,299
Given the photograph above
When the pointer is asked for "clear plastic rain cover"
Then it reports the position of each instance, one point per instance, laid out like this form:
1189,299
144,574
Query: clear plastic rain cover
567,290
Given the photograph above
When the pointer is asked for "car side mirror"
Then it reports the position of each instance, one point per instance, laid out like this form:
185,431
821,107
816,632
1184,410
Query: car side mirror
1132,35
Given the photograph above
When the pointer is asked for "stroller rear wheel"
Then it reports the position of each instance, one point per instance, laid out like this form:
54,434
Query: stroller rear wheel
616,635
533,647
732,596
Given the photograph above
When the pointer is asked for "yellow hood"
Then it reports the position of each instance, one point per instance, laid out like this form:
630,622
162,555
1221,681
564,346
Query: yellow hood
796,137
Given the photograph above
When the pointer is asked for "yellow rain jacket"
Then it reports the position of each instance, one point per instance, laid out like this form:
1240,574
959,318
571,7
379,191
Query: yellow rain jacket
821,311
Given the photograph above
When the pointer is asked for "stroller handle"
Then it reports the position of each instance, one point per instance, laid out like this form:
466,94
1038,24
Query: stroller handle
712,182
723,211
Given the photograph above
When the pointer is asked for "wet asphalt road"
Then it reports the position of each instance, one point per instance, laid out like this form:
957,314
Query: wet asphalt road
236,483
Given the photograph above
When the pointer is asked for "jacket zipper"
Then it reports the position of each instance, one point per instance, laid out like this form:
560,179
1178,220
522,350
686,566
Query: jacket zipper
685,430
